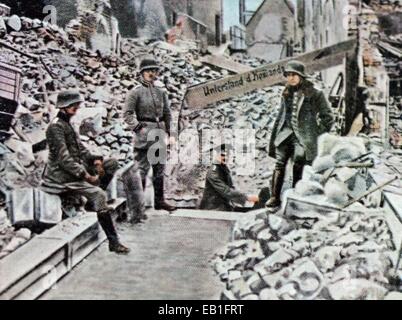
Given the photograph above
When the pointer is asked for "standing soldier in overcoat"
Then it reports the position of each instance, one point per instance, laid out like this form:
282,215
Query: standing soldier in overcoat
147,112
73,170
304,115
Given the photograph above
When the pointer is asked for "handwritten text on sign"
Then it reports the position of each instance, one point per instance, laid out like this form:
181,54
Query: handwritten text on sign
204,94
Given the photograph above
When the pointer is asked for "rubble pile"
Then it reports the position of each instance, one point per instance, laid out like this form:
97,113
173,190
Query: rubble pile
11,239
335,177
52,59
313,249
256,111
391,48
395,118
381,50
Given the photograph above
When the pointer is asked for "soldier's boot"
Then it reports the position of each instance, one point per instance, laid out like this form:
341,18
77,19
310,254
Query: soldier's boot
106,222
160,203
276,187
297,173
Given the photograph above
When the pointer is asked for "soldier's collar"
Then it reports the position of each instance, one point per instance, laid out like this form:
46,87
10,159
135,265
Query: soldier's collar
64,116
146,83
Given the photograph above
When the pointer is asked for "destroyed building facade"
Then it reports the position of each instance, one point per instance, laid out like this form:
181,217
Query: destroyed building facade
277,41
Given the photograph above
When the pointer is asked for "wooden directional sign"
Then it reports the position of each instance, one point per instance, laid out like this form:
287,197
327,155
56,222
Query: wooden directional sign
199,96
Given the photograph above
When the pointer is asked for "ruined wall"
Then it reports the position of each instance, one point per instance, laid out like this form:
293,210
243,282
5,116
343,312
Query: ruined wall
323,23
125,12
204,11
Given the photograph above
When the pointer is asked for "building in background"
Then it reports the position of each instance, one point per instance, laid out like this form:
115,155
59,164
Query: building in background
200,19
271,31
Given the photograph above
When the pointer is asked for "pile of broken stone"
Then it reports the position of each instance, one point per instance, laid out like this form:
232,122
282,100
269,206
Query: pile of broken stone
314,248
104,82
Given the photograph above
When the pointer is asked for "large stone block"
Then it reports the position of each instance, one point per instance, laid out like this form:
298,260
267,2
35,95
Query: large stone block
47,208
21,205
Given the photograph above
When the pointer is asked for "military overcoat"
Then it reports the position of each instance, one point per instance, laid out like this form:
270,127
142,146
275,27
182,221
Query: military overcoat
219,193
314,117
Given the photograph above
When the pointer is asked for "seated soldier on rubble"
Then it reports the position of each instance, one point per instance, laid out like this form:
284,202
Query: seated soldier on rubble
219,193
73,170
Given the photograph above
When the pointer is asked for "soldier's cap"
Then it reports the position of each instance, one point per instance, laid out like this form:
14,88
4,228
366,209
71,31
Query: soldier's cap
149,64
67,98
295,67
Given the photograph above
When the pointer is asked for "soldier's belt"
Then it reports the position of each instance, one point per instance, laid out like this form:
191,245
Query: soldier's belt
156,120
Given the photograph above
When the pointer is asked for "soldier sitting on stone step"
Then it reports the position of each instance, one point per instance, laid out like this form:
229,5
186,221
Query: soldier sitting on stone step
219,193
73,170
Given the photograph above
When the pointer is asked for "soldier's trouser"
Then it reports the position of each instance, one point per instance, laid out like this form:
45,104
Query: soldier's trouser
97,199
291,149
134,192
158,173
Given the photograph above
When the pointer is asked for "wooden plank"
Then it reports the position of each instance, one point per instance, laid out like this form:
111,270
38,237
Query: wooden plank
6,80
214,215
35,278
201,95
17,87
32,254
7,95
7,88
61,248
44,283
225,63
87,247
11,68
7,74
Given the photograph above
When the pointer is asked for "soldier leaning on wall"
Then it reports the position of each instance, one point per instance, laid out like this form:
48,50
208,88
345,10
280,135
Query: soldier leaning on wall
73,170
147,111
304,115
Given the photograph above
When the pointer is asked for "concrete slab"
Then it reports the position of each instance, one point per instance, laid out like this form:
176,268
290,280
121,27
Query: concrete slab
214,215
48,257
169,260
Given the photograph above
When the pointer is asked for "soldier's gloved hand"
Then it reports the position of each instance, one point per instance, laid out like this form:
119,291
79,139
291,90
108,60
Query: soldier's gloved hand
92,179
253,198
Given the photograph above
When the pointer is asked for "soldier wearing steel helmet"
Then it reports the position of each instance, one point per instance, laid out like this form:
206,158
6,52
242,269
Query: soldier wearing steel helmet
73,170
303,116
146,111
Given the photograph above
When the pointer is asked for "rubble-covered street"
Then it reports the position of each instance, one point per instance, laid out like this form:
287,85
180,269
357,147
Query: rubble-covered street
337,235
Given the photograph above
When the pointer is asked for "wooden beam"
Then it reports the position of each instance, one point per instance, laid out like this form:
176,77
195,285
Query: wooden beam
202,95
225,63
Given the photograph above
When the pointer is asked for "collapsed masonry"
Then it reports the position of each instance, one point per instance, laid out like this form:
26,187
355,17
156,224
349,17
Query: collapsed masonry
104,81
379,62
319,246
52,59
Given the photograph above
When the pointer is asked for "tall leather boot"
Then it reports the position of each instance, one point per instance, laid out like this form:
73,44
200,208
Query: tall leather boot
264,196
276,187
297,173
106,222
160,203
